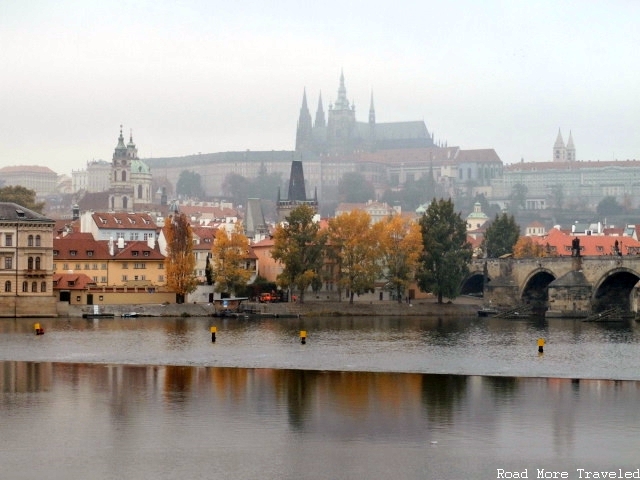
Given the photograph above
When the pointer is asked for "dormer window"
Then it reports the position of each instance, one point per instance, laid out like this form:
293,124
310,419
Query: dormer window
89,253
73,253
55,253
134,253
146,253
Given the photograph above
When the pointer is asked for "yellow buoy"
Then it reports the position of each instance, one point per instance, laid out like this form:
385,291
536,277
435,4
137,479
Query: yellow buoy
541,345
213,334
303,336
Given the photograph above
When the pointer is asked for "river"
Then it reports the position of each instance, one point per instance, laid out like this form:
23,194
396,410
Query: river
367,398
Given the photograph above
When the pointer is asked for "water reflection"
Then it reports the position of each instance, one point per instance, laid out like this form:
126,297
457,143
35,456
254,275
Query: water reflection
119,421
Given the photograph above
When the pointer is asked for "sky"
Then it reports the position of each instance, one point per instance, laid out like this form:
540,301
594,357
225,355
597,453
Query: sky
208,76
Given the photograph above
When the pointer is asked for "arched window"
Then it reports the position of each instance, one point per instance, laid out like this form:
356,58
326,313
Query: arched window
25,287
139,191
113,203
34,287
7,286
115,176
43,286
125,203
37,240
30,263
30,241
124,175
37,263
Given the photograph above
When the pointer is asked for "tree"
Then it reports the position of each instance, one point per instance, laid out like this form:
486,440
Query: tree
518,197
400,250
22,196
299,246
354,188
608,207
229,253
180,261
525,247
500,236
189,184
353,246
446,252
237,187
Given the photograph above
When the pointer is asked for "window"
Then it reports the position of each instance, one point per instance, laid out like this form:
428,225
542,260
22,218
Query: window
134,253
37,263
161,278
43,286
161,266
8,240
95,266
73,253
30,263
124,278
8,263
30,241
55,253
7,286
125,265
89,253
103,279
78,266
139,265
65,266
34,287
95,279
38,240
25,287
86,266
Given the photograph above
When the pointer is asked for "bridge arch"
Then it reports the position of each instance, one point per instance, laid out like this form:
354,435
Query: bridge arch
615,290
473,284
535,291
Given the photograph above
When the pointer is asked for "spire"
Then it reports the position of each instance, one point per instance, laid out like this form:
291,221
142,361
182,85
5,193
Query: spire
341,103
570,150
320,120
131,144
372,111
559,142
304,133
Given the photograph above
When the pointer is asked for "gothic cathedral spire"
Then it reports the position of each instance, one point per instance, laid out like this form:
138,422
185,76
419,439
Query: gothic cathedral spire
304,132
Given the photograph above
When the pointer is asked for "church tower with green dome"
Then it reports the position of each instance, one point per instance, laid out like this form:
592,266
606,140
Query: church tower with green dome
130,178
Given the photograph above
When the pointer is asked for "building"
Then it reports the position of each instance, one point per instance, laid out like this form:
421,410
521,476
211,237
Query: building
342,133
297,194
377,211
113,226
95,178
41,180
26,275
562,152
130,178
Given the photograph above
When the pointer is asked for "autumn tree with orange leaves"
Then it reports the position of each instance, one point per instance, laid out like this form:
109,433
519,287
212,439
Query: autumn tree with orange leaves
180,262
229,253
354,247
400,243
525,247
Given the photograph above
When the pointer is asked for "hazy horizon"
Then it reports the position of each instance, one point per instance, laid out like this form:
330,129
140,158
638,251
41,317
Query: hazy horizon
207,77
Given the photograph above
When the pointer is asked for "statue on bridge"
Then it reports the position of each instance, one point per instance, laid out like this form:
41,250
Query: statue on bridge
575,247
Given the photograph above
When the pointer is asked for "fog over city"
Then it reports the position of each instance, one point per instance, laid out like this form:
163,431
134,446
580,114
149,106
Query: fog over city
212,76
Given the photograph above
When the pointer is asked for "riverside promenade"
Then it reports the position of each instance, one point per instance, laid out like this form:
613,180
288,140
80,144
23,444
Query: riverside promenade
316,308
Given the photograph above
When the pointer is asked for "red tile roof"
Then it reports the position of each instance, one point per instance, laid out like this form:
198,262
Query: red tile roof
589,244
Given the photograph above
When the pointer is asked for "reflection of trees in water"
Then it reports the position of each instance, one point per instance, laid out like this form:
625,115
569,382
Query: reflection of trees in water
298,387
502,388
441,394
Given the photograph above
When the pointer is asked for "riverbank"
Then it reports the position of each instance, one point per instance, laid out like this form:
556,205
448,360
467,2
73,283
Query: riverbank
315,308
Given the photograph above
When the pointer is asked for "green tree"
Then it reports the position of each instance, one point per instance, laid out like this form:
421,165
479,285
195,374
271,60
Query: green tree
354,188
518,197
608,207
446,252
237,187
400,248
190,184
229,253
501,236
180,261
22,196
354,247
299,246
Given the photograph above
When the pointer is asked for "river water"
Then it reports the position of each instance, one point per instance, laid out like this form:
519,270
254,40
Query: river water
370,398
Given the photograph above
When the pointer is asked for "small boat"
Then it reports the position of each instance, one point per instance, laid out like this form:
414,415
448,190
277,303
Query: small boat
487,311
130,315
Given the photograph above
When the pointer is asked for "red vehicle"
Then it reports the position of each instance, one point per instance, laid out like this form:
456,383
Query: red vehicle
267,298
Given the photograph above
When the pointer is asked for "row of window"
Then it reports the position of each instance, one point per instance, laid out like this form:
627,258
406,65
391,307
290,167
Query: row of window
32,241
32,263
94,266
25,287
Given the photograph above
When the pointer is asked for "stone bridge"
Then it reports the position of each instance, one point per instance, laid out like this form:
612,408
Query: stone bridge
559,286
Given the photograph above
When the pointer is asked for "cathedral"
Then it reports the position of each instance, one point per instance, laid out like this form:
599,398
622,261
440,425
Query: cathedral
130,178
340,133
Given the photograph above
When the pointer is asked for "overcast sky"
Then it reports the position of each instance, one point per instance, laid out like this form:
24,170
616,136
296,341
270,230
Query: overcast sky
210,76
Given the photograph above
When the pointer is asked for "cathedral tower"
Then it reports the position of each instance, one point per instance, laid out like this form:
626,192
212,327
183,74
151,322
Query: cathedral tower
121,191
559,150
